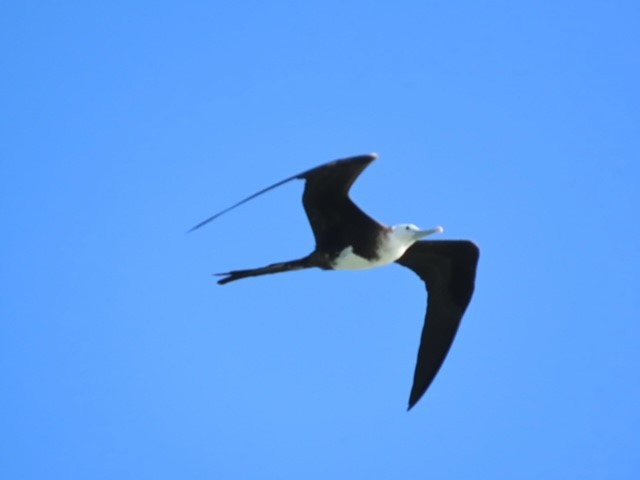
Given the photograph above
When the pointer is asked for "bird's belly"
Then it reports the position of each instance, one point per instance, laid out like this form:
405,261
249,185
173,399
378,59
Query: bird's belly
347,260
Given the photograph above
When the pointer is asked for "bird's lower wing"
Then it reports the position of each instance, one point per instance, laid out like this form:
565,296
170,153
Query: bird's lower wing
448,269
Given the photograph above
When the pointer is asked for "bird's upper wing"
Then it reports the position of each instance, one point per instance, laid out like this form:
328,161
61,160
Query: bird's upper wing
448,268
330,179
335,220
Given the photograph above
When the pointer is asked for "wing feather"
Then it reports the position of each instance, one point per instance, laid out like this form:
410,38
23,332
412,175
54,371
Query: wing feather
337,176
448,268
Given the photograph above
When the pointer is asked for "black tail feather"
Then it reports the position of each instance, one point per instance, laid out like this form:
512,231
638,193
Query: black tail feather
234,275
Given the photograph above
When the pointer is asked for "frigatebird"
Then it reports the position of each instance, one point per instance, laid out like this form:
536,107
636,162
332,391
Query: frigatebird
348,239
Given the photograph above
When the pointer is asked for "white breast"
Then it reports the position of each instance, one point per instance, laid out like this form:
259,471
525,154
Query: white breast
389,251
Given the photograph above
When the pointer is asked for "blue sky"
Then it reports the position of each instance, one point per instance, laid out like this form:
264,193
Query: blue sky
126,123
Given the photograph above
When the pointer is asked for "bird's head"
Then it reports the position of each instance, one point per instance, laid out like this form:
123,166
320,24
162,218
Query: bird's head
410,233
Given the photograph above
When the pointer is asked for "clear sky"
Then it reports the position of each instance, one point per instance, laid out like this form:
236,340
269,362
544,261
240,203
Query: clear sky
514,124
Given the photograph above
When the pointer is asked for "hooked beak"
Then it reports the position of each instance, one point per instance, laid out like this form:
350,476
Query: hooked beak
423,233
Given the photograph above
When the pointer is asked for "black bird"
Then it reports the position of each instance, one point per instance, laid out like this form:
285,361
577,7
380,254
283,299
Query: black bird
348,239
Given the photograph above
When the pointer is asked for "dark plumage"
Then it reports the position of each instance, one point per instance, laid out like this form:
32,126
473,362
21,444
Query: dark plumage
347,238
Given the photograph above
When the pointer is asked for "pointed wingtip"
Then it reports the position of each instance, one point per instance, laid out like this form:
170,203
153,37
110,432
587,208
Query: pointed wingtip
203,223
412,403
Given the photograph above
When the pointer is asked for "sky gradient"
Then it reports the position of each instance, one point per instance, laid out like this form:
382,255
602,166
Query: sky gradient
124,124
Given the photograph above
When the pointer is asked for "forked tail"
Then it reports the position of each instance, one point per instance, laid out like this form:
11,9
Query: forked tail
299,264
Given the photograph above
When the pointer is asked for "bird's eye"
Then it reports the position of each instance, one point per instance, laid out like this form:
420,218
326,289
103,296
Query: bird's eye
407,228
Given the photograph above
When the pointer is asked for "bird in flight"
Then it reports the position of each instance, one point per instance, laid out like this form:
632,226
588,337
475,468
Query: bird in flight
349,239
